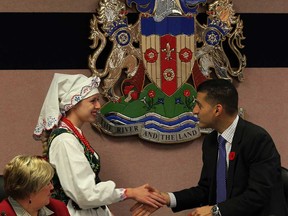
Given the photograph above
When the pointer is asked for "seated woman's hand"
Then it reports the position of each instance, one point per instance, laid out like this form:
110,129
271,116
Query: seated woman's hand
140,209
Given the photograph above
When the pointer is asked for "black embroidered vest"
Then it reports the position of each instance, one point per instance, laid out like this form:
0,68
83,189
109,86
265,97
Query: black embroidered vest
58,192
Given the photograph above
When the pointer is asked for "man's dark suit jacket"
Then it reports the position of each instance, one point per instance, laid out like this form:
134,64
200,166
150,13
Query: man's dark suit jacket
254,184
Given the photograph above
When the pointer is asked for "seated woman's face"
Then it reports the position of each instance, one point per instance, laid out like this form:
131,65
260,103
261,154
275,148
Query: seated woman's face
42,197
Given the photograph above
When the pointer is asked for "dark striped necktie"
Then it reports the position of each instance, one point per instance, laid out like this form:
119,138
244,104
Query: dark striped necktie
221,170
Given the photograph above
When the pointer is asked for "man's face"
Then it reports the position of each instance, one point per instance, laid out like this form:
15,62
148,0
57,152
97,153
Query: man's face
204,111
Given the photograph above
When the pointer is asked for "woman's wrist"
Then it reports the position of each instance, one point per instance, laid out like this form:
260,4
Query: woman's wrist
123,194
128,193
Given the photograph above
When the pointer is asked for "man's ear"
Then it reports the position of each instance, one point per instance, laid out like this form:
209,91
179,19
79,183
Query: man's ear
218,109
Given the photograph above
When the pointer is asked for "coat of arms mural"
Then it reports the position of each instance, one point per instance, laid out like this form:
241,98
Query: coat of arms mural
154,64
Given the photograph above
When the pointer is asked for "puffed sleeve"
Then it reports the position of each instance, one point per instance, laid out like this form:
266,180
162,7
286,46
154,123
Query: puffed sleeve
76,176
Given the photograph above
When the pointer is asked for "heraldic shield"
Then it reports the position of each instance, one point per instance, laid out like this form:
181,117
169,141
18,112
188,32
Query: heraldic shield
168,51
156,63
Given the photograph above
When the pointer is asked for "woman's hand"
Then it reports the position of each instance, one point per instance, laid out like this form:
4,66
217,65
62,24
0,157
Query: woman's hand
147,195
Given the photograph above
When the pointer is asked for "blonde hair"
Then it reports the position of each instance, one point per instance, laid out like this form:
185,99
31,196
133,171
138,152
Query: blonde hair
24,175
44,140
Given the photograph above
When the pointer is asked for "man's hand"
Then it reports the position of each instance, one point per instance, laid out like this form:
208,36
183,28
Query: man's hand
140,209
202,211
147,195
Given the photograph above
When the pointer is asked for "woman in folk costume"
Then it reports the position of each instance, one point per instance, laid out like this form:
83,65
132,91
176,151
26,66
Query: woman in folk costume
71,101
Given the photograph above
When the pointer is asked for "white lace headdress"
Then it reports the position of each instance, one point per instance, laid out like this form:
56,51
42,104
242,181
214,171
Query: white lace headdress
65,91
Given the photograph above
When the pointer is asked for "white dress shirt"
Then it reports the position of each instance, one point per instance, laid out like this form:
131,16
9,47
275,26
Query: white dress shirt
228,135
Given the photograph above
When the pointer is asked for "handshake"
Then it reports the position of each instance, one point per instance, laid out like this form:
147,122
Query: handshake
148,200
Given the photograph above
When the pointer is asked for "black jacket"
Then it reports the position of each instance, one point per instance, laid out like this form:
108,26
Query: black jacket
254,184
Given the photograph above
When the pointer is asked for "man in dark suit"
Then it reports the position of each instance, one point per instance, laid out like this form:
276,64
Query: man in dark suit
252,172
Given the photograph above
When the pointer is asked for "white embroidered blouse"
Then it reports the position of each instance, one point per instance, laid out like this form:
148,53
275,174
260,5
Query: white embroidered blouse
77,178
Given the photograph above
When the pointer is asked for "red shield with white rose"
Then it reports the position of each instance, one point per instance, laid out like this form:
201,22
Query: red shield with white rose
168,57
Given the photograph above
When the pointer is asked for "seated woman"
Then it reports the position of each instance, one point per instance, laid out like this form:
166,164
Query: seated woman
27,183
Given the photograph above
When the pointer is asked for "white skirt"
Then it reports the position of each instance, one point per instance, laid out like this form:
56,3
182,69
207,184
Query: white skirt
88,212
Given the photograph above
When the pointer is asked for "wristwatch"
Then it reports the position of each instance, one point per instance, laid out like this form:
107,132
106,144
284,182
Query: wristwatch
215,211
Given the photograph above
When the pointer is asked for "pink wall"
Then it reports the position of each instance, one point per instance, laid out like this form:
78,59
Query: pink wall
130,161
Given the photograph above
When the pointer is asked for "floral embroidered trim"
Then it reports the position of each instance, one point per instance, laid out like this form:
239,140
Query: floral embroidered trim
83,93
47,124
123,194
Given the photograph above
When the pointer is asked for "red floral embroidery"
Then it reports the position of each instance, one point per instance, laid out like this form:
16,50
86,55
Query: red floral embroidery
231,156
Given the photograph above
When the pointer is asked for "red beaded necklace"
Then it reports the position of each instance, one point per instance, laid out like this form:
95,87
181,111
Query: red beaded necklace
78,134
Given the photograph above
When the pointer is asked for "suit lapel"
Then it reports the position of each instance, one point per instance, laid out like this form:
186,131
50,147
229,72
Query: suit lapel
211,149
234,154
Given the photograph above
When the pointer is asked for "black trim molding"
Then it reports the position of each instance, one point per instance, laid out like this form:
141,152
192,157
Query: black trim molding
60,40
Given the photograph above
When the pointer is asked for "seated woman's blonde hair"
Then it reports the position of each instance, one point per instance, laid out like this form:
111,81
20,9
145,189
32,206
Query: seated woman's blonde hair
24,175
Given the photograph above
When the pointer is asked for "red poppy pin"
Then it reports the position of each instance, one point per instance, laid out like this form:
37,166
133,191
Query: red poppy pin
231,156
